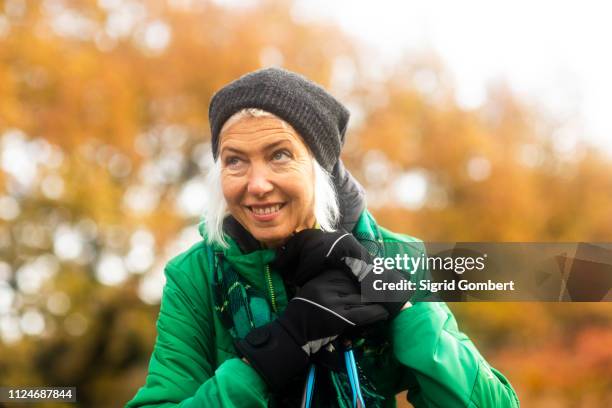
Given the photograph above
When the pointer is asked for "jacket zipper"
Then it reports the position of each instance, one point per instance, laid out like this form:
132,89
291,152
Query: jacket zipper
271,288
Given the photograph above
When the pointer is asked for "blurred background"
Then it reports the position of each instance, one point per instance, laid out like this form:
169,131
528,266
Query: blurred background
469,122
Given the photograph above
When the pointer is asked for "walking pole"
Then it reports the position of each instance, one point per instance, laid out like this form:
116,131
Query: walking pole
308,390
351,368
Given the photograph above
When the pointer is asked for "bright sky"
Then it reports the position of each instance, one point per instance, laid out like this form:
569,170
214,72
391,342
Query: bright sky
556,53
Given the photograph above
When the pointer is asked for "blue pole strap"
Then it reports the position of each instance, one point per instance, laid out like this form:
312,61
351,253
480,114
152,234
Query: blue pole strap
351,369
310,381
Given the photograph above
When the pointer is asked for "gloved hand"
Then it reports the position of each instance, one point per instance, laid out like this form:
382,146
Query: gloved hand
310,251
325,307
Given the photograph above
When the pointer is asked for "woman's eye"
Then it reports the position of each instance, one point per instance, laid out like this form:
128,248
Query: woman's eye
281,155
232,161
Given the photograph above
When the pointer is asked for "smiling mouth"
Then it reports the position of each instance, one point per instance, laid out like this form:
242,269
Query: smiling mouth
264,210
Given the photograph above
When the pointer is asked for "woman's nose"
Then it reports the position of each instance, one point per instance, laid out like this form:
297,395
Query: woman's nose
259,183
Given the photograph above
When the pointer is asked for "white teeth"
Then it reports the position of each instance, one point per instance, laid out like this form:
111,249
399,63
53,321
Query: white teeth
266,210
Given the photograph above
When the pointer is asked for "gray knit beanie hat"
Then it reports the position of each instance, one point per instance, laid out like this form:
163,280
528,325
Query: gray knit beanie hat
315,114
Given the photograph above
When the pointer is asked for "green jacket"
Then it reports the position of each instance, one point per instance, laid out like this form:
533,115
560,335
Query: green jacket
194,363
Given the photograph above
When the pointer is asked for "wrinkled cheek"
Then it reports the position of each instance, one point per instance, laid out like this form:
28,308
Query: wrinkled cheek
231,191
306,204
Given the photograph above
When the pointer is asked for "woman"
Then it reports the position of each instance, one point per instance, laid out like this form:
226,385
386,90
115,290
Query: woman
267,309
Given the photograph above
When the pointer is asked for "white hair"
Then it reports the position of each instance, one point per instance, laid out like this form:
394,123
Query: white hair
252,113
326,208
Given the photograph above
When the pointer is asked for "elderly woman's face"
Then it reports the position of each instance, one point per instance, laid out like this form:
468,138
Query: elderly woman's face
267,178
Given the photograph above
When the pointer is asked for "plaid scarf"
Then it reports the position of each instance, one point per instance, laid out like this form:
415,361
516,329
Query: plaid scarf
242,308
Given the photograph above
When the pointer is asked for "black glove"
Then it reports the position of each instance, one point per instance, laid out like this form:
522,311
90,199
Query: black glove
325,307
310,251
